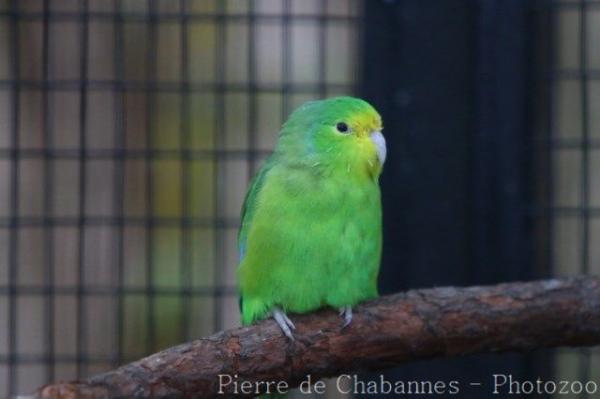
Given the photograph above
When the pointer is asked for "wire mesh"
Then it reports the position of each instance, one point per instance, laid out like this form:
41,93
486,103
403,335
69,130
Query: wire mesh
570,149
128,132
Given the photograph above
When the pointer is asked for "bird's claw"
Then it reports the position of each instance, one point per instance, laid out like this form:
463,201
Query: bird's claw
346,311
284,322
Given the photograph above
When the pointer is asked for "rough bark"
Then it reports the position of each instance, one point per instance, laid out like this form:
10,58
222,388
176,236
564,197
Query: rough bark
386,332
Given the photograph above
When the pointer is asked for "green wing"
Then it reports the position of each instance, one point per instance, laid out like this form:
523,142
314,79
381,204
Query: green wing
248,209
250,205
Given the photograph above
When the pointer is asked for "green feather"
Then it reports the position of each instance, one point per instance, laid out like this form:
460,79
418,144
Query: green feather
311,220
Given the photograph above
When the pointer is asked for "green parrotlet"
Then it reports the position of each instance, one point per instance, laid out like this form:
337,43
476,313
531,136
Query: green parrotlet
311,222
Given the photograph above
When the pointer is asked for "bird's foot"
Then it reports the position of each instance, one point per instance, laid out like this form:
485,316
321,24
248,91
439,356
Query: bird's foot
284,322
346,311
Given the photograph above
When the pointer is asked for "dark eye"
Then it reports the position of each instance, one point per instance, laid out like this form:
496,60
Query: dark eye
342,127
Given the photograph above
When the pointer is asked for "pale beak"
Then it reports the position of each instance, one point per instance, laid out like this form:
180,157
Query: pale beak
379,141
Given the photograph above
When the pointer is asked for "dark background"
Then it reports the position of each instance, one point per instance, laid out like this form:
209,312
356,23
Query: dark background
455,81
474,192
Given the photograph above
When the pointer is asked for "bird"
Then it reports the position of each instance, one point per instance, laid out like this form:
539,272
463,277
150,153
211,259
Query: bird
311,222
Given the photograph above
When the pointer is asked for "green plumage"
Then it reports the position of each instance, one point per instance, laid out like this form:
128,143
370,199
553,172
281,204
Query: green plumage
311,220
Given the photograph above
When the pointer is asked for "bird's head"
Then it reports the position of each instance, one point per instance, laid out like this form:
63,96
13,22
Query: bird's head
341,134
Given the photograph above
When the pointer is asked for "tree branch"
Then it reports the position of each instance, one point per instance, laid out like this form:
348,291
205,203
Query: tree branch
391,330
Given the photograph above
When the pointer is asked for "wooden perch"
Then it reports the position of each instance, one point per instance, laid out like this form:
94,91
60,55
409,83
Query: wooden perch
386,332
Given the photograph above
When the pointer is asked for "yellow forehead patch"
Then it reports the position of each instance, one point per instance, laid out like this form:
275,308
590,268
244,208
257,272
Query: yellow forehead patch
367,121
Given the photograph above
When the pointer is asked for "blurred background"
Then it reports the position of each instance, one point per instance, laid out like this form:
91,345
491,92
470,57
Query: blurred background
129,130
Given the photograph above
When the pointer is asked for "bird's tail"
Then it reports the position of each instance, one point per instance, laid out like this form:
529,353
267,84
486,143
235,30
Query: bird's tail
253,309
